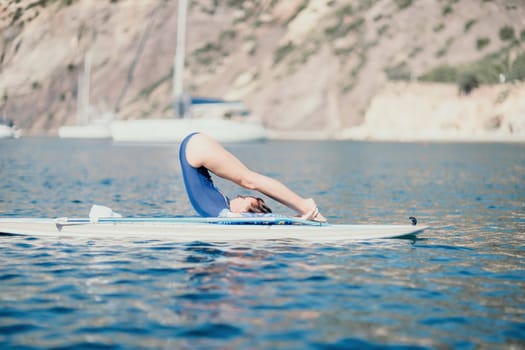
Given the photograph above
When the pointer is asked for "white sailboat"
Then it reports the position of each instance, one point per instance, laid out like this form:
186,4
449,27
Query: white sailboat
226,121
7,129
87,127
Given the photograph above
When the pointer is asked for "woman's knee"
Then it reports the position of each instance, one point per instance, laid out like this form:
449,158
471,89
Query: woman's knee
248,180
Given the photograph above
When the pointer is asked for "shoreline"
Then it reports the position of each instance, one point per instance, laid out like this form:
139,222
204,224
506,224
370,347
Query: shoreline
365,134
361,134
431,136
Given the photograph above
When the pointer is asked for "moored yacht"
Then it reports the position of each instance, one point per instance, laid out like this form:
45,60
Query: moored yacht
7,129
226,121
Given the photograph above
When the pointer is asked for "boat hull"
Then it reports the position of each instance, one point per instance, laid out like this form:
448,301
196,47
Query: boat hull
7,132
174,130
85,132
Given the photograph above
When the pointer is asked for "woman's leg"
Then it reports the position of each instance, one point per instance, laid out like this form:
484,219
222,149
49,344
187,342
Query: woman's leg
205,151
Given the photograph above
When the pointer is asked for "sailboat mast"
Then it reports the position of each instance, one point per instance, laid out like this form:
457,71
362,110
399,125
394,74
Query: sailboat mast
79,99
180,102
84,81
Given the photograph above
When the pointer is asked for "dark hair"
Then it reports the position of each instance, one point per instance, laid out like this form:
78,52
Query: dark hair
260,207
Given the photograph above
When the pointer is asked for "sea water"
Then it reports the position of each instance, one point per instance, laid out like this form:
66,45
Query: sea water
461,284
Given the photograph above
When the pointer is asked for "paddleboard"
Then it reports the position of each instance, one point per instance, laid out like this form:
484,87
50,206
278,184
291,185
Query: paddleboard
188,229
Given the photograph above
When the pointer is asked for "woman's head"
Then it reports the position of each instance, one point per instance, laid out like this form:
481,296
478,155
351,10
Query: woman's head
249,204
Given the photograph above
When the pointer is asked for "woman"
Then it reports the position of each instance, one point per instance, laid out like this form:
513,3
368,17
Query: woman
199,155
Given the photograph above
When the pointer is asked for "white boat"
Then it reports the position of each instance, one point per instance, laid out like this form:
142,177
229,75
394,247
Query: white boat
90,131
226,121
7,131
95,129
191,229
174,130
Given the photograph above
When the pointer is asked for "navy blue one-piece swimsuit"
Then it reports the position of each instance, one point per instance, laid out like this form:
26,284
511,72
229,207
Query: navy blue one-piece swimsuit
206,199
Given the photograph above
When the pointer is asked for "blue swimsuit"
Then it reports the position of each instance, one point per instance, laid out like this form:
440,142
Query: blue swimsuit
207,200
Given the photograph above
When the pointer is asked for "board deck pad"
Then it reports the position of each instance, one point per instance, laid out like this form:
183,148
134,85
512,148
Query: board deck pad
257,220
187,229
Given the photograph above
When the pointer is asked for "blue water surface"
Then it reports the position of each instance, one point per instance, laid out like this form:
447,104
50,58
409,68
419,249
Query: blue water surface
459,285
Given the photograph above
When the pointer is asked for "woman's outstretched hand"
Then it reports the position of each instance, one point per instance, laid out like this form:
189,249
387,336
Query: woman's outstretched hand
313,213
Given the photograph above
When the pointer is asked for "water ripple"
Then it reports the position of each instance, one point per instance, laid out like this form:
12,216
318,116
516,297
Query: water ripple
459,285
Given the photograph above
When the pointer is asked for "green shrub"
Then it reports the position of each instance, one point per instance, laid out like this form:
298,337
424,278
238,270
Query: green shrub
447,10
443,51
469,24
467,81
415,51
403,4
484,71
488,69
506,33
340,30
235,3
364,5
441,74
347,10
42,3
522,35
227,35
517,69
438,27
206,54
17,15
382,29
148,90
282,52
301,7
482,42
399,72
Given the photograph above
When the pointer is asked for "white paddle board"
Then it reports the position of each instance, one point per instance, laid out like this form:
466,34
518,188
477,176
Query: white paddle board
188,229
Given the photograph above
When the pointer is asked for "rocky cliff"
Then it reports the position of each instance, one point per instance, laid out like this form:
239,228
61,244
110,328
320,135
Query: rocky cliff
308,68
403,111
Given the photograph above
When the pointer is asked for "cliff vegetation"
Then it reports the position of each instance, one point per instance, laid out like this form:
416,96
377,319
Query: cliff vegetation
307,68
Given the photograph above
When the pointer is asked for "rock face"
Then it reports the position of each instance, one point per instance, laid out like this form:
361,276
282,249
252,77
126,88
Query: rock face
437,112
307,68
